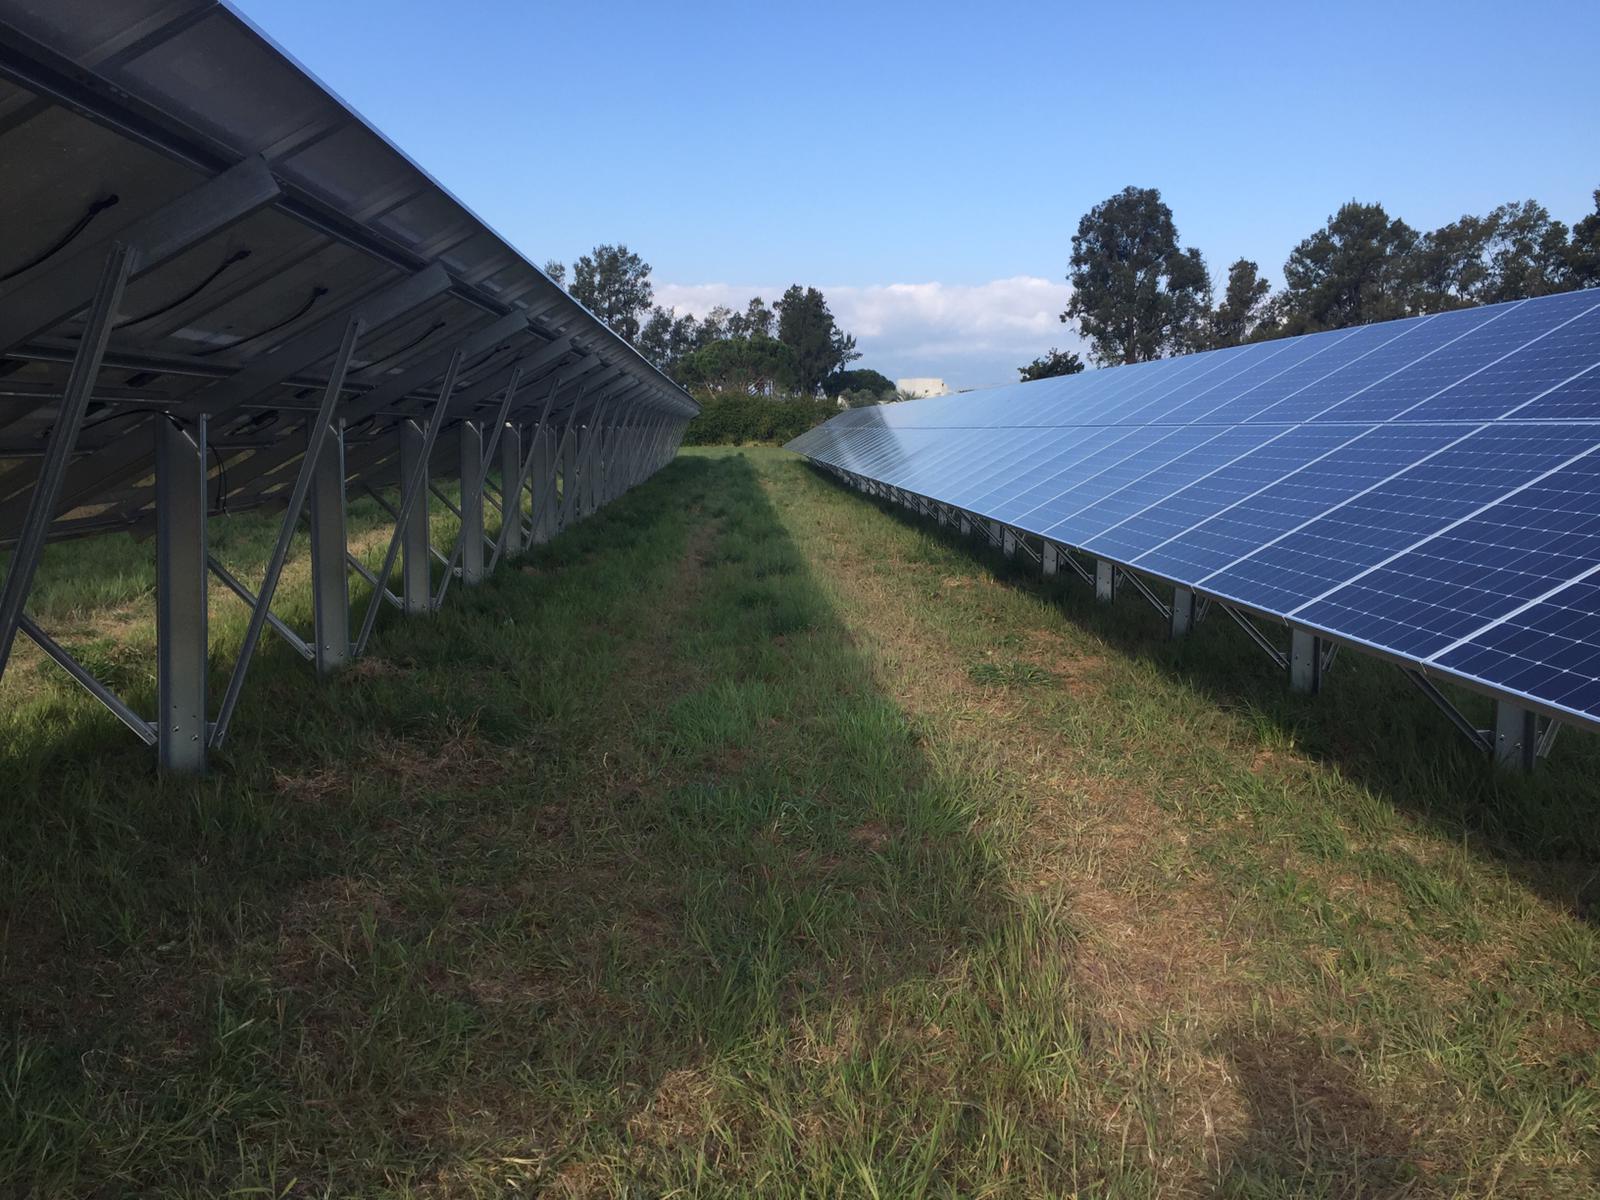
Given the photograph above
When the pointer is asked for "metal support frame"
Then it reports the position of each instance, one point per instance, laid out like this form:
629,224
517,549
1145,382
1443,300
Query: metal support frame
63,438
1105,580
475,459
291,518
330,579
182,640
511,489
1516,741
567,465
416,563
543,479
1515,744
1182,612
414,454
470,539
1150,597
1279,659
1305,661
167,472
145,730
1479,738
275,622
360,568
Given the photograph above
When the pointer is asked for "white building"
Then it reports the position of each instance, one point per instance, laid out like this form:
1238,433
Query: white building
922,386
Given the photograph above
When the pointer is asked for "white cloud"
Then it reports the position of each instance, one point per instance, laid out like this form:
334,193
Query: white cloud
972,335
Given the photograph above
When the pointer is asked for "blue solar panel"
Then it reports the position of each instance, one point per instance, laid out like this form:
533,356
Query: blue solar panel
1427,487
1166,521
1479,567
1546,651
1402,483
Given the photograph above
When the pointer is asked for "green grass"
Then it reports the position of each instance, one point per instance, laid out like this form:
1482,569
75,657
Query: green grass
752,838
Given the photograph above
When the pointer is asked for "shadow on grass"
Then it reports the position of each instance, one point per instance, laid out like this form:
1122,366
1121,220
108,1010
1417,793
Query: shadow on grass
620,868
1368,723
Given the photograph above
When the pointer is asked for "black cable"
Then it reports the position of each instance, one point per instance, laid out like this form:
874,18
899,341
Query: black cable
237,256
98,421
317,293
66,239
416,341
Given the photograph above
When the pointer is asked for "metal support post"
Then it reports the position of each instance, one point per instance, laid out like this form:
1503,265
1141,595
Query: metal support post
330,578
511,490
58,452
569,476
471,438
538,468
182,647
1305,661
1050,560
1182,611
1516,736
413,494
416,564
1008,542
544,474
320,426
1105,581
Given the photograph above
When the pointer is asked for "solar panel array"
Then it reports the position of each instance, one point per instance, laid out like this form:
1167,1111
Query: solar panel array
1427,488
111,114
207,255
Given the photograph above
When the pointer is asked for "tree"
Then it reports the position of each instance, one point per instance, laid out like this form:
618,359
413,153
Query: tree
1243,308
1527,253
807,327
557,270
755,366
1136,295
1583,252
860,380
666,337
1052,365
1446,268
614,283
755,321
714,326
1352,271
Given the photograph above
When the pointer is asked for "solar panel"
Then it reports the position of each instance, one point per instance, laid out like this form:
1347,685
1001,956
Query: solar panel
220,288
1427,488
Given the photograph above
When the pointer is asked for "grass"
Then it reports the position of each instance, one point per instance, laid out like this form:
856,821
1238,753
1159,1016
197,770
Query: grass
754,838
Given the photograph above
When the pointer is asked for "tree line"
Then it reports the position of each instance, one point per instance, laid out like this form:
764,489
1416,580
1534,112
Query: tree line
1138,294
793,347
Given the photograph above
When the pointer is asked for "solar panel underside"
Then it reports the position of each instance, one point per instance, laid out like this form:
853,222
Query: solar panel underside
1426,488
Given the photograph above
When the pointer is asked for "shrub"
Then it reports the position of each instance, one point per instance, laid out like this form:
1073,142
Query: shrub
738,418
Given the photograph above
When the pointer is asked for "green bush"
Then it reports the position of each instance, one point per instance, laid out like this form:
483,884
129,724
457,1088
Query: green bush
738,418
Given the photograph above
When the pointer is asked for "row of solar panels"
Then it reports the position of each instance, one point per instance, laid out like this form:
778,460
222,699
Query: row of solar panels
1427,488
266,214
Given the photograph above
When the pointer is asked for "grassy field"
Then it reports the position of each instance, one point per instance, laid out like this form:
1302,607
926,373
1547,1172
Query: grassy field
755,839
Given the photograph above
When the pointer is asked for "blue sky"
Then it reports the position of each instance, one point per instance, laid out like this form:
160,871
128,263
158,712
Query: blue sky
926,164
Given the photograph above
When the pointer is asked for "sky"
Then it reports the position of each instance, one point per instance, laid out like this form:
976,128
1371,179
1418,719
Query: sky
926,164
